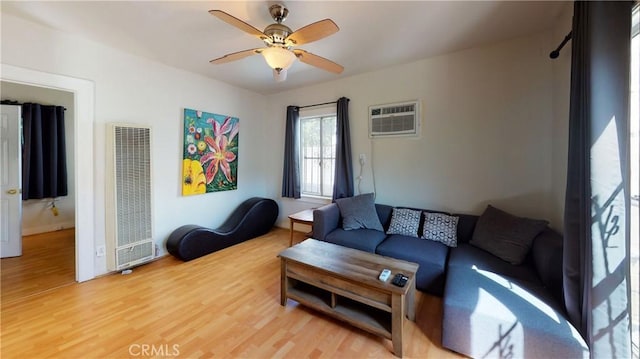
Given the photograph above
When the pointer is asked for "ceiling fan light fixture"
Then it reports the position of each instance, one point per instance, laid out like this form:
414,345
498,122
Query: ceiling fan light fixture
278,58
279,76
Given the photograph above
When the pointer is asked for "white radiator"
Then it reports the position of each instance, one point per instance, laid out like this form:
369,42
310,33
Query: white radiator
129,222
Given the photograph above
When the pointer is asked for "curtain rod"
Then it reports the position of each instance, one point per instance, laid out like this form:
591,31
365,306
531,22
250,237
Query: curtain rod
555,53
317,104
16,103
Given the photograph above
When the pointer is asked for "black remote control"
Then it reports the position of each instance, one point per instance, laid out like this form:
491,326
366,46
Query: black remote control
400,280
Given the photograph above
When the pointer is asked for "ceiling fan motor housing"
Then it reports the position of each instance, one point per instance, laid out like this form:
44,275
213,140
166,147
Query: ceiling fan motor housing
277,34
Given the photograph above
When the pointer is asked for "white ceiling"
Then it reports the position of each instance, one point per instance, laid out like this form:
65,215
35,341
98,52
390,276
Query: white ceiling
373,34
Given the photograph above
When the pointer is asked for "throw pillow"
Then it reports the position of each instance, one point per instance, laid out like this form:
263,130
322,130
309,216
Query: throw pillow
359,212
441,227
404,221
506,236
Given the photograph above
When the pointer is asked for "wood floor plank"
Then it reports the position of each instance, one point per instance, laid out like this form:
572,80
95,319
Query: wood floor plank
226,304
48,262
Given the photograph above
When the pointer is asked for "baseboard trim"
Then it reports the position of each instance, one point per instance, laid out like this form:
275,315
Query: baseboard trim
134,267
47,228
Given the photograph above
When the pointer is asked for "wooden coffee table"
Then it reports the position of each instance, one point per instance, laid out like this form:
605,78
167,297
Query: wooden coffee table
343,282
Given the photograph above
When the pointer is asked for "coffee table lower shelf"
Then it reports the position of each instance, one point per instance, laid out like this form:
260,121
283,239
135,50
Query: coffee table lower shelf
360,315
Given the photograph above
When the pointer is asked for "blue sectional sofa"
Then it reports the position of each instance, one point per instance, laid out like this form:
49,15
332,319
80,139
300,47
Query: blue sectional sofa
491,308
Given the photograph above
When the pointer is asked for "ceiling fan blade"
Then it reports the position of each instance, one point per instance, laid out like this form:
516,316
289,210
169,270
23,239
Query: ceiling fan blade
318,61
235,56
234,21
313,32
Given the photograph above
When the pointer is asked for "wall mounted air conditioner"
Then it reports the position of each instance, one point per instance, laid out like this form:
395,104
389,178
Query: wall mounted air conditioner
395,119
129,222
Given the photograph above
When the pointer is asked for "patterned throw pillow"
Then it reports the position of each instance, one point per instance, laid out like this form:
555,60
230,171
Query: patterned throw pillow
404,221
440,227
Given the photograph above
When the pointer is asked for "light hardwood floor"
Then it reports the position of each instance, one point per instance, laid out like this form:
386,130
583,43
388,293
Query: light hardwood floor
226,304
48,262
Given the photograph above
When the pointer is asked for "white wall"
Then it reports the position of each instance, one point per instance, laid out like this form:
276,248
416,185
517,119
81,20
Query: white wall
135,90
486,134
36,214
561,95
489,118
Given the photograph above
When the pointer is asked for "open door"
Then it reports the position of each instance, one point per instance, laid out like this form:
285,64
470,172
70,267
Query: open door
10,182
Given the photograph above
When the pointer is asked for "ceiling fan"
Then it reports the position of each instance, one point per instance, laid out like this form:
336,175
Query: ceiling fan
280,53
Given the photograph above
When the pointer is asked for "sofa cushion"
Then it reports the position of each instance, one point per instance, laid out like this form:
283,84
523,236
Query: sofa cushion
362,239
547,259
470,257
466,226
431,257
404,221
384,214
506,236
440,228
488,315
359,212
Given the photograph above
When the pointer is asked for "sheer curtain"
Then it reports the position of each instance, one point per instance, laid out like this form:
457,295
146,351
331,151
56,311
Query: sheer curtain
596,239
44,165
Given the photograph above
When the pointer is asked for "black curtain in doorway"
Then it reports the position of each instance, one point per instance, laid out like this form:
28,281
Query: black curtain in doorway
44,165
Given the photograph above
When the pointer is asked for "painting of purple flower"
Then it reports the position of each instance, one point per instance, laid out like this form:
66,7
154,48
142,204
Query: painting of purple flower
213,141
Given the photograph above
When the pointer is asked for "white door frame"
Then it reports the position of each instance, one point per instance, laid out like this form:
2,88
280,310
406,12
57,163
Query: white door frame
84,99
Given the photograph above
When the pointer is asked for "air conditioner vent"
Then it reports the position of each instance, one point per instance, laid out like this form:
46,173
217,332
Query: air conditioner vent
398,119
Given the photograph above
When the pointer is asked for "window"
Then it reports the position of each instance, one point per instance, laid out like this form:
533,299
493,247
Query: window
317,155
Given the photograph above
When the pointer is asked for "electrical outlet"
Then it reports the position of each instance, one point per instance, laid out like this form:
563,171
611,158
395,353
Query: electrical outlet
100,251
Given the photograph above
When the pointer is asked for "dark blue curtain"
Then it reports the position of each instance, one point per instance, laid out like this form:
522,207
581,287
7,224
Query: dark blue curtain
44,165
343,180
596,238
291,170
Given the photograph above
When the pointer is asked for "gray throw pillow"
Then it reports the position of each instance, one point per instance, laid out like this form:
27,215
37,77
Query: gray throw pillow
359,212
404,221
506,236
440,227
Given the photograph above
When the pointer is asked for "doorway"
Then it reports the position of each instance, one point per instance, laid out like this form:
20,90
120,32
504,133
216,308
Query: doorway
48,257
84,99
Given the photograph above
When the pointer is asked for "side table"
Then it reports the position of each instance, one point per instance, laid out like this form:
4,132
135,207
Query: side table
302,217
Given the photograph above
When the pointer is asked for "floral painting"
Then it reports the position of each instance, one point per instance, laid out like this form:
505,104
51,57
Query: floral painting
210,160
